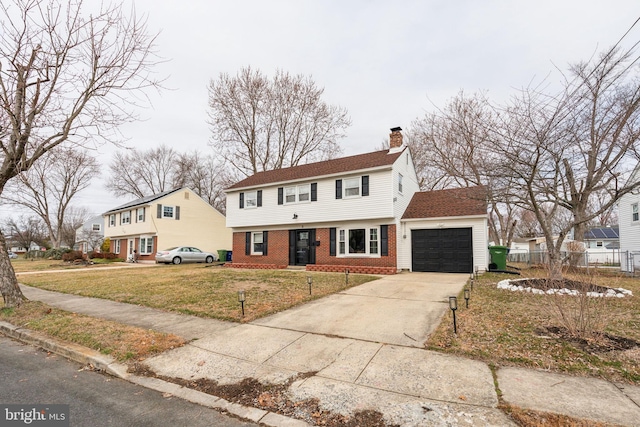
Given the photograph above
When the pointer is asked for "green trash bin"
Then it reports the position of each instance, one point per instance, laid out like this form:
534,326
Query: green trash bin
498,257
222,255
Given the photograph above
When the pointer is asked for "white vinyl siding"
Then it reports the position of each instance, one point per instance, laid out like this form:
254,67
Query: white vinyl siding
378,205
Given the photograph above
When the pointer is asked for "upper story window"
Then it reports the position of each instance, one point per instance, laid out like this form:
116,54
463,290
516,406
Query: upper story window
140,215
352,187
251,199
95,227
298,194
634,212
112,220
599,244
400,183
168,211
125,217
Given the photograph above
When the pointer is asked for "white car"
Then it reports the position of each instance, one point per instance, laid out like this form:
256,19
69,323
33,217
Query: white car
13,255
180,254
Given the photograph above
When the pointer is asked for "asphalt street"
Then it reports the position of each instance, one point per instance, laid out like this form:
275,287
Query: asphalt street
33,376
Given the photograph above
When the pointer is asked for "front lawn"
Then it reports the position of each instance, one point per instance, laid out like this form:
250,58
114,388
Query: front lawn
503,327
199,290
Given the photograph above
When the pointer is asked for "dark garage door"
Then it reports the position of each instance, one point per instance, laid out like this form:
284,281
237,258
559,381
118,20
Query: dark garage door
446,250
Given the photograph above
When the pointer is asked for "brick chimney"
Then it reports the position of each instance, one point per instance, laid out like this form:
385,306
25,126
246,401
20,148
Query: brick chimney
395,138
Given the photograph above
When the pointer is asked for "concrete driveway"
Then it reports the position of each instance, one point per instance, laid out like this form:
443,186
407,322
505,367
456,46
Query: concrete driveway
402,309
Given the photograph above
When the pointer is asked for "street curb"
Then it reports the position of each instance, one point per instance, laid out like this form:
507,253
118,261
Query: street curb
107,364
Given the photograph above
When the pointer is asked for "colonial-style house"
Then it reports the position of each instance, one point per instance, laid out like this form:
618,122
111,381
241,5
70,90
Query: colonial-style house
361,213
172,218
90,235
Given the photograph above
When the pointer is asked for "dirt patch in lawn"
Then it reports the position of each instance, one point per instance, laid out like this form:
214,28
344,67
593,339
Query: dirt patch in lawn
601,343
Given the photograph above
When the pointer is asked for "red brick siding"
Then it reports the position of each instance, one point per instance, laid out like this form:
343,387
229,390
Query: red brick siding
277,249
278,255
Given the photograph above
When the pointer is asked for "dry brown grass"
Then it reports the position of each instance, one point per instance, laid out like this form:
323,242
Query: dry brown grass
197,289
515,328
123,342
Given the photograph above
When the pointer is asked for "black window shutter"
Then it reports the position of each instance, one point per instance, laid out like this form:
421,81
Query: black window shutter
338,189
332,242
241,200
159,210
314,191
247,243
177,212
120,218
265,242
259,198
292,247
280,195
384,240
365,185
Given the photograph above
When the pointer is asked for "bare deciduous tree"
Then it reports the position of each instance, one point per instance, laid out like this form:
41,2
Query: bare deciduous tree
163,168
143,173
261,124
25,230
560,151
73,219
66,76
452,147
49,186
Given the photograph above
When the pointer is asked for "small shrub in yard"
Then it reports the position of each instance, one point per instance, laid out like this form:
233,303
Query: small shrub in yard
72,256
56,253
102,255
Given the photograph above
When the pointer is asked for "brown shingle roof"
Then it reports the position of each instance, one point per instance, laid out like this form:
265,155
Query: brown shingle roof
327,167
451,202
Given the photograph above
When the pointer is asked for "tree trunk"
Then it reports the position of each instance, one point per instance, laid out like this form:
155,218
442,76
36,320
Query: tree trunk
11,292
555,263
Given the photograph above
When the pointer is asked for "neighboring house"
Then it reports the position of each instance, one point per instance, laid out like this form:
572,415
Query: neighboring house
629,227
21,249
90,235
602,238
172,218
363,213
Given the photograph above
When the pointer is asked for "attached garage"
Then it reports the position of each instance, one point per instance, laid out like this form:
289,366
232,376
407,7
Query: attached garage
445,231
445,250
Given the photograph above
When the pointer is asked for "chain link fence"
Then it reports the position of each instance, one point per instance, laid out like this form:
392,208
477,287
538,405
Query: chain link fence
588,258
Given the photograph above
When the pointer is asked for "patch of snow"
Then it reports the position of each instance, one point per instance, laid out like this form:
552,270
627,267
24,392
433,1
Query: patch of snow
512,285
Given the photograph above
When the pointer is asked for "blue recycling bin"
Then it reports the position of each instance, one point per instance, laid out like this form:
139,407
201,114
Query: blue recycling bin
228,258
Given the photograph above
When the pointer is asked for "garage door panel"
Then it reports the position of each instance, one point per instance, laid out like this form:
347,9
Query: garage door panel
442,250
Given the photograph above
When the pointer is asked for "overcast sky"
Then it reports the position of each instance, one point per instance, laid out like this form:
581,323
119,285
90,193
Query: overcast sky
386,62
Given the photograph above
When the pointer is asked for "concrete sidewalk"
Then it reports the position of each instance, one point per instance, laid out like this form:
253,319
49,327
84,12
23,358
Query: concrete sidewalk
363,348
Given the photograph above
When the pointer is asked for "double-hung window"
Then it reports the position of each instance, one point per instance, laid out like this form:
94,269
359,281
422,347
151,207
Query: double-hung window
297,194
634,212
400,183
251,199
352,187
95,227
167,211
112,220
140,215
257,243
146,245
125,217
116,246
